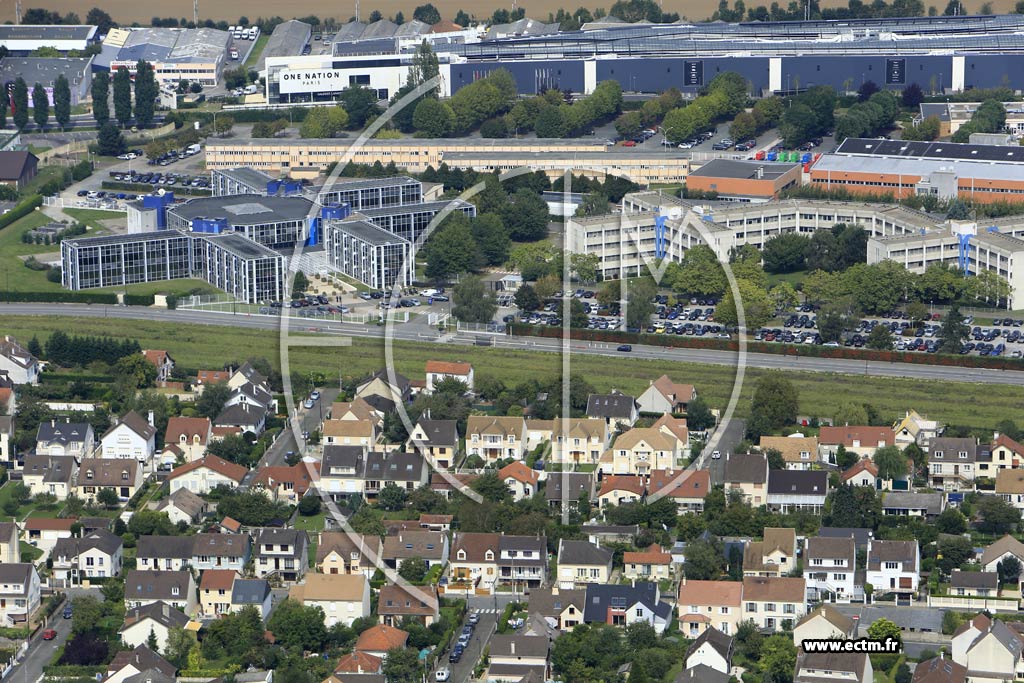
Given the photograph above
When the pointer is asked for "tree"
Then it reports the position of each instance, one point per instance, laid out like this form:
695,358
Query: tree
101,20
223,125
757,306
62,101
705,560
1009,570
951,521
952,552
880,338
108,497
584,266
594,204
86,648
775,405
146,92
323,122
884,629
798,125
19,103
151,642
452,250
698,416
491,487
783,296
912,96
700,273
295,625
150,523
392,497
890,462
998,516
640,635
785,253
743,127
866,90
526,217
122,96
526,298
472,302
360,104
401,664
433,119
365,522
491,238
953,331
640,302
212,400
110,141
778,659
310,506
427,13
413,569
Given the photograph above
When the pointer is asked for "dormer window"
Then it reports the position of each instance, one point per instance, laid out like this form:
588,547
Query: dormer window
174,590
963,455
489,556
124,475
88,474
938,454
461,554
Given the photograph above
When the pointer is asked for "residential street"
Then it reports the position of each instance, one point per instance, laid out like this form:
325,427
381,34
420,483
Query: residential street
40,651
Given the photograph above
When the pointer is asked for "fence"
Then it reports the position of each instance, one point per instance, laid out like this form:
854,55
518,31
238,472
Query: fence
968,603
484,328
86,203
73,147
222,303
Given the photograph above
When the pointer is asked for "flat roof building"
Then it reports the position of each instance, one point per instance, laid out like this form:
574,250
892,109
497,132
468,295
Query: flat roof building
410,222
24,39
45,71
272,221
176,54
371,255
287,40
369,193
744,181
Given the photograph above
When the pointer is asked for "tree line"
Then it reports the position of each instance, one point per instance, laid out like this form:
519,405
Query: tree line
40,104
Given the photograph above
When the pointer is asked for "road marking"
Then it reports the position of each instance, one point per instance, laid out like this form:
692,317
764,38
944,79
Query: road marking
319,341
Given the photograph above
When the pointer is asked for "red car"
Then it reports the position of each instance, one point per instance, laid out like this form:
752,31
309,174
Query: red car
49,634
629,143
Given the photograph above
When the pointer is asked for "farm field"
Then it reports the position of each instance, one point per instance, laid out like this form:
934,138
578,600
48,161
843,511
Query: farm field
126,11
205,346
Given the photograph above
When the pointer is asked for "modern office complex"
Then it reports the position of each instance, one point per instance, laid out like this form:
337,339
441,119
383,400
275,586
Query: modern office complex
276,222
176,54
410,222
243,180
25,39
373,256
246,270
45,71
370,193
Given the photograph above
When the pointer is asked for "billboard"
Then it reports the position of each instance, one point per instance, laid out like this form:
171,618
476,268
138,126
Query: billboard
693,73
313,80
895,71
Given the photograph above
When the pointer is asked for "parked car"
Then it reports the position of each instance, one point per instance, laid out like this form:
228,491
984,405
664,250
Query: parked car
67,611
442,674
624,348
49,634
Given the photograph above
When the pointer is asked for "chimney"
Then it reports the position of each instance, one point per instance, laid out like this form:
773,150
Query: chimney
554,589
151,419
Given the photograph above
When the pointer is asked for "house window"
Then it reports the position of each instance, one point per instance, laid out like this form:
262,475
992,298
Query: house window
770,607
789,608
639,612
937,454
751,607
174,590
963,454
892,565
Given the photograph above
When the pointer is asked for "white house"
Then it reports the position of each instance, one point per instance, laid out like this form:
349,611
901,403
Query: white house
666,396
202,476
712,649
824,623
176,588
990,649
132,437
157,618
342,597
830,566
520,479
17,363
19,593
182,506
191,435
438,371
894,567
96,555
999,550
162,361
65,438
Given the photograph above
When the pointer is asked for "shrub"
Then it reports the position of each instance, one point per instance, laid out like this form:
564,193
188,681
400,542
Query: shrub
24,208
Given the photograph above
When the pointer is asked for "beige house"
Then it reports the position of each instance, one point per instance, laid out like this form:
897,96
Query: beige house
701,604
577,440
52,474
1010,485
773,556
474,562
824,623
688,488
990,649
203,475
1000,549
860,440
215,588
643,449
974,584
1006,453
561,608
748,476
358,409
521,480
10,547
176,588
191,435
620,489
862,473
582,562
349,433
495,438
340,553
774,603
438,371
96,474
916,428
436,440
666,396
342,597
652,564
417,603
798,452
833,667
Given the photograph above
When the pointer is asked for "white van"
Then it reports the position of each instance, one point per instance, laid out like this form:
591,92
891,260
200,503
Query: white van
251,89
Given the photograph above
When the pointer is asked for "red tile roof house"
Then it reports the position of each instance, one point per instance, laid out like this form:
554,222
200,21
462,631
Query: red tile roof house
621,488
285,483
163,362
862,440
202,476
438,371
520,479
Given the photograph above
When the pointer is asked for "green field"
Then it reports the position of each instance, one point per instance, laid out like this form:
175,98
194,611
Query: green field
257,50
196,346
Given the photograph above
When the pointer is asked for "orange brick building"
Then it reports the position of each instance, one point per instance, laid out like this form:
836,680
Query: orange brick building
740,180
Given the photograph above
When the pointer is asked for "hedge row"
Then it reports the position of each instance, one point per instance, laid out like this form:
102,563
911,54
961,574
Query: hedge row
146,187
814,351
22,209
62,297
72,670
139,299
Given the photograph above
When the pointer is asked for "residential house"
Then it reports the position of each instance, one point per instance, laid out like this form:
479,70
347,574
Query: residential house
97,555
561,608
625,604
522,561
221,551
377,640
702,673
342,553
215,589
436,522
620,489
253,395
581,562
138,665
652,564
676,428
19,593
229,525
641,450
798,452
247,374
10,545
96,474
439,370
833,667
254,593
415,603
618,411
281,552
688,488
44,532
385,390
915,428
132,437
343,472
704,604
177,588
205,378
747,474
994,654
182,506
408,471
576,440
830,567
162,361
520,479
355,410
894,567
939,669
952,463
665,396
361,433
169,553
342,597
474,561
774,603
864,472
359,664
1006,453
713,649
429,546
20,366
157,618
561,488
860,440
908,504
965,635
860,536
204,475
436,440
495,438
190,434
513,657
774,556
824,623
1010,485
52,474
241,418
286,483
793,490
8,450
1007,546
65,438
974,584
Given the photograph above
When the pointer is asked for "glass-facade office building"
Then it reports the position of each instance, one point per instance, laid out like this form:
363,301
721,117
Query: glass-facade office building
410,222
371,193
369,254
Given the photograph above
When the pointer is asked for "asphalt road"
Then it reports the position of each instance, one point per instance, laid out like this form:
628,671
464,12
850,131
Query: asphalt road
462,670
708,356
40,651
728,439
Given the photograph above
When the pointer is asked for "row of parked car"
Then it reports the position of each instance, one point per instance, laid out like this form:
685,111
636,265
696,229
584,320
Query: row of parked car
166,179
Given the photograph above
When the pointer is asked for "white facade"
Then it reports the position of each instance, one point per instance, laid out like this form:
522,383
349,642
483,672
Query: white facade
122,442
893,574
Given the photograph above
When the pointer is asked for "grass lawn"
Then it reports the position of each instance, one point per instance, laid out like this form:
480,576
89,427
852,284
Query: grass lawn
25,509
314,523
32,551
197,346
796,278
92,218
257,50
44,175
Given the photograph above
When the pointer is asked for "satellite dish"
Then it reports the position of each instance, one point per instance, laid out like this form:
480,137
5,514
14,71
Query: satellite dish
161,192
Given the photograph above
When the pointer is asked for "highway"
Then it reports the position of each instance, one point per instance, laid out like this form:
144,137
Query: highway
414,333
